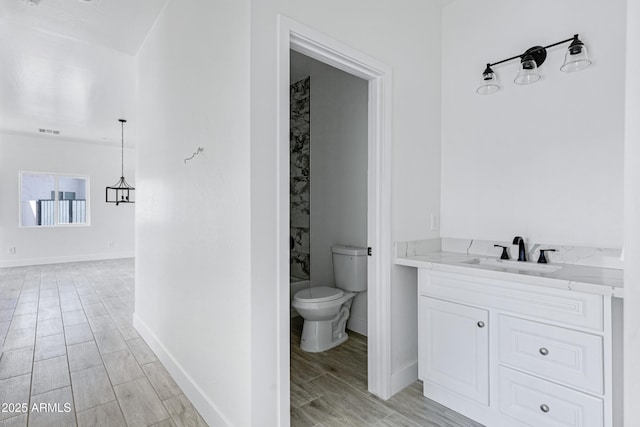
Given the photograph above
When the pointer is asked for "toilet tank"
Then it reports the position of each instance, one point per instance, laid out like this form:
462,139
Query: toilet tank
350,268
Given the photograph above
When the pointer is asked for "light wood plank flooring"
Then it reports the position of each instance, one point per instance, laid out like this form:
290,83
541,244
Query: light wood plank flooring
70,341
330,389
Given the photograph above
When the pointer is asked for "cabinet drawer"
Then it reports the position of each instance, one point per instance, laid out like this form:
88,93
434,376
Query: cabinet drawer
538,403
557,305
560,354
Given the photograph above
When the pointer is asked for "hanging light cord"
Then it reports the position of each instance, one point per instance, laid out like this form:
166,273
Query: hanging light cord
122,122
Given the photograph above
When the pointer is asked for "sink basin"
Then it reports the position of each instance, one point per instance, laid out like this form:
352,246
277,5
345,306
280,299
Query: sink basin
515,266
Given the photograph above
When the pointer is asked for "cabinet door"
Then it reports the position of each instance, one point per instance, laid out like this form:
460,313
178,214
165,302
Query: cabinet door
454,348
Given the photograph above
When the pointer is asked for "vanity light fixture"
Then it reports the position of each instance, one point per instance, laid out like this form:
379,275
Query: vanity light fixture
576,59
489,83
121,191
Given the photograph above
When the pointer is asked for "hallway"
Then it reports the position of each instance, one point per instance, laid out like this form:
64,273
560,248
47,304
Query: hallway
70,342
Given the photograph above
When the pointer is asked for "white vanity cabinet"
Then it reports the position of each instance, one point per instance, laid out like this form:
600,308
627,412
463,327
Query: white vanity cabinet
510,354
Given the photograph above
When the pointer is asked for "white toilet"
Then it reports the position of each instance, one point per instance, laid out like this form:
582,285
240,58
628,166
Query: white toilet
325,309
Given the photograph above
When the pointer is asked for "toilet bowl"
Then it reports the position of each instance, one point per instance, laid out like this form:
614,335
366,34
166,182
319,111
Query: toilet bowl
326,309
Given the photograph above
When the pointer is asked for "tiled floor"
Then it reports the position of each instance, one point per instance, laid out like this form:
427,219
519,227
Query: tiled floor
330,389
70,343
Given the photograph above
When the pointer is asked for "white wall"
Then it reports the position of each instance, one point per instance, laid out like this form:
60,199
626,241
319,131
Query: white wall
193,258
338,173
338,166
543,161
405,35
41,245
632,221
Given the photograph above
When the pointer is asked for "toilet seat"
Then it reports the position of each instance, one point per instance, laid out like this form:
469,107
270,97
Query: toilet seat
318,294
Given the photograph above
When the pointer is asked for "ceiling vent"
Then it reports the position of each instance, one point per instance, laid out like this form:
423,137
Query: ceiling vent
49,131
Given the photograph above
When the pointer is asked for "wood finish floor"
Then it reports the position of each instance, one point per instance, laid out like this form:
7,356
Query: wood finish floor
70,341
330,389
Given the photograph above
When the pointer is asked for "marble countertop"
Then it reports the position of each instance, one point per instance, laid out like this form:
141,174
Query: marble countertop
597,280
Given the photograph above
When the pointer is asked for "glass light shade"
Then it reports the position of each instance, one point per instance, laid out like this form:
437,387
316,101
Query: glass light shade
488,84
528,72
576,58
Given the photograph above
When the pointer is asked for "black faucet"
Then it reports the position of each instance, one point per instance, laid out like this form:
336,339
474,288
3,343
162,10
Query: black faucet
522,254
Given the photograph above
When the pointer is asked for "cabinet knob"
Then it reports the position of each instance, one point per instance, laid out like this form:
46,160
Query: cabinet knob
544,351
481,324
544,408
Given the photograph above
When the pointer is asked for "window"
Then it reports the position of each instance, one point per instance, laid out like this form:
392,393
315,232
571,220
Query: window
49,199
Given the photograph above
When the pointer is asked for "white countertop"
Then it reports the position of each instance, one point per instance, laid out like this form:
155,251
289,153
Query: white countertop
596,280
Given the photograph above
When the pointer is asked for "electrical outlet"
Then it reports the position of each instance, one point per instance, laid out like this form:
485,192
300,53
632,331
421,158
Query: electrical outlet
11,250
111,244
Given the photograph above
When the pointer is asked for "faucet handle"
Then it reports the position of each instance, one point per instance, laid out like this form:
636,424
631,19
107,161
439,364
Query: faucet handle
542,259
505,254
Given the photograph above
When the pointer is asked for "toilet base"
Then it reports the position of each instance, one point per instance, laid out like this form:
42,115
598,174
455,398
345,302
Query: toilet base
322,335
317,336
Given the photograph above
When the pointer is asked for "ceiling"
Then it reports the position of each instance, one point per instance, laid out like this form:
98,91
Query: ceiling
69,65
118,24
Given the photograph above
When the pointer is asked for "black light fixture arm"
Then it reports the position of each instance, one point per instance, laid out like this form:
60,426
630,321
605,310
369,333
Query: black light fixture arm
536,49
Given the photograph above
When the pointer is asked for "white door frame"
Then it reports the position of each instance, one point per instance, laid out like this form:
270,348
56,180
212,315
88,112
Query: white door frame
295,36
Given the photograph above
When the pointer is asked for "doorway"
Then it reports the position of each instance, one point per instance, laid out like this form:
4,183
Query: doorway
328,170
299,38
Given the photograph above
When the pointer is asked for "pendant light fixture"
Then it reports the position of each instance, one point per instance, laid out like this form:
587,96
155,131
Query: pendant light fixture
489,83
121,191
576,59
528,72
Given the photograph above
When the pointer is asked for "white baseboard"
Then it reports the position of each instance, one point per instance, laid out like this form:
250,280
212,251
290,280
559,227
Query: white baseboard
202,403
404,378
64,259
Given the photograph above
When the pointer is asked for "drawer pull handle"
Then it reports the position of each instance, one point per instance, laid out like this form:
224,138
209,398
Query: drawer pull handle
544,351
544,408
481,324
